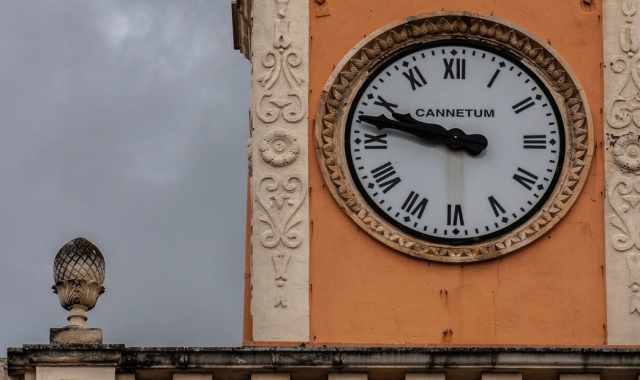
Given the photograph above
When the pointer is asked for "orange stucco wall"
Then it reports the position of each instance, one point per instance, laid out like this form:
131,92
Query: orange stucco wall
550,293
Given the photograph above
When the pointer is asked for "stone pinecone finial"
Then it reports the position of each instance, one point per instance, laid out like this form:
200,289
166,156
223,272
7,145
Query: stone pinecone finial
78,272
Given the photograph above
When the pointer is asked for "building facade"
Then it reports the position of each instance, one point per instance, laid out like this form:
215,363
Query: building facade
441,189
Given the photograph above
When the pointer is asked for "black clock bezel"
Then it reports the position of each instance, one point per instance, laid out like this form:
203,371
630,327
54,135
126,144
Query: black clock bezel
454,42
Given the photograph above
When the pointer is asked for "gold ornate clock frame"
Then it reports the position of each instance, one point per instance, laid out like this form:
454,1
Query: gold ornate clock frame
353,70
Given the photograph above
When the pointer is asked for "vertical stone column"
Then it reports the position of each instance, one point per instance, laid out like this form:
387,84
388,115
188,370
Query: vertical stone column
622,169
85,373
280,175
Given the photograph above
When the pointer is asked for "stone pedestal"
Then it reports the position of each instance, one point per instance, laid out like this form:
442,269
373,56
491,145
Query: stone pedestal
75,335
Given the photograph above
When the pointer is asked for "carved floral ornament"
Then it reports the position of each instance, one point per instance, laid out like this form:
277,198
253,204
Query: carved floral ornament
350,74
279,148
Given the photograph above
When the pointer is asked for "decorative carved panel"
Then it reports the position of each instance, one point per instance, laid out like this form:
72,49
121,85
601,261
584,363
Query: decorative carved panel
279,162
622,141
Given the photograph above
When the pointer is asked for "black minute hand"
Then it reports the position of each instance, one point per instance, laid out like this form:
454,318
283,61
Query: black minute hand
454,138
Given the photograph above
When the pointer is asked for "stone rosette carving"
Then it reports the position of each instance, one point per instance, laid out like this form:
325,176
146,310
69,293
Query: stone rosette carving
363,59
78,272
279,148
626,152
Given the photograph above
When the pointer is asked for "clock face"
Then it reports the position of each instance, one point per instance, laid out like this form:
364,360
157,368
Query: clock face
454,142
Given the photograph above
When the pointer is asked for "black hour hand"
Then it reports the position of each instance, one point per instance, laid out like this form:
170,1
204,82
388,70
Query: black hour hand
454,139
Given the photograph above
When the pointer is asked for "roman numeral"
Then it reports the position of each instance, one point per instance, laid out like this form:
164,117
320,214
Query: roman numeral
375,141
383,103
496,207
535,141
415,78
454,215
385,176
523,105
525,178
455,68
414,208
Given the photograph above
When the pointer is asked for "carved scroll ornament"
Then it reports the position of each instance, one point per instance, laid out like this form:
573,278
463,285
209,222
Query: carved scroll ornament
623,184
282,83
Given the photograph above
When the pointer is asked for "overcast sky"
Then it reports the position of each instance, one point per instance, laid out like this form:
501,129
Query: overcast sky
124,121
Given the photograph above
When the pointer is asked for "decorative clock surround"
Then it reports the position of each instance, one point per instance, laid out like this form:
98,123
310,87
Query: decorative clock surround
368,56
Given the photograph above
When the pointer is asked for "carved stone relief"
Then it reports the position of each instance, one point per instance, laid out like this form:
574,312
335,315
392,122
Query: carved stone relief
280,173
622,131
280,200
623,116
283,96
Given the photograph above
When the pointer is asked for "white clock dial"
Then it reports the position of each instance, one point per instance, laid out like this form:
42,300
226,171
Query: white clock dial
454,142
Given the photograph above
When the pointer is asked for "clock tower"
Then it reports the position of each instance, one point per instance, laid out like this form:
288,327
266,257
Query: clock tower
441,173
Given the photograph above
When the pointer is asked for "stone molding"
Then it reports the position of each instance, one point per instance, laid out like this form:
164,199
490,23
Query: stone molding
280,176
463,363
622,169
351,73
241,18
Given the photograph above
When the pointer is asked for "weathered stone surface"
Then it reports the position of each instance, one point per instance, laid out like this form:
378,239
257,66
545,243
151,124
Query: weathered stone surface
280,171
579,376
75,373
425,376
3,370
270,376
348,376
75,335
191,376
501,376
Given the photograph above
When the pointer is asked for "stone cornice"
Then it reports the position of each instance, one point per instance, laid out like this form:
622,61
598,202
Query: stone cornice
241,17
129,359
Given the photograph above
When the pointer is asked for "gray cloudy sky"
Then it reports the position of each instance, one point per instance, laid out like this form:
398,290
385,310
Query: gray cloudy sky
124,121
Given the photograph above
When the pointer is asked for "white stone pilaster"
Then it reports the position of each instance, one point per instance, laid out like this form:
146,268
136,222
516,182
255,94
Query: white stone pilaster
75,373
280,175
622,169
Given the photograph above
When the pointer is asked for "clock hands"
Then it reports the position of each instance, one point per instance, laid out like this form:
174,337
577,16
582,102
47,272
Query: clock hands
454,138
